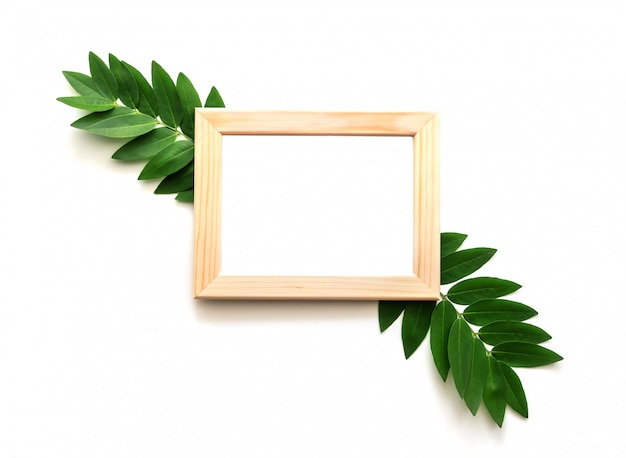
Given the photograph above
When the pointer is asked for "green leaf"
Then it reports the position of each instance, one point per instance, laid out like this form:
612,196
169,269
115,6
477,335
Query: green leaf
171,159
102,77
494,394
147,102
388,313
120,122
177,182
443,317
522,354
512,331
190,100
126,84
477,376
170,107
86,102
515,396
185,196
214,99
475,289
83,84
146,146
463,263
450,242
460,353
489,310
415,324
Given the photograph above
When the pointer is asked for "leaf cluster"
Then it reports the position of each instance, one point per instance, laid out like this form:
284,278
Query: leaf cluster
157,118
474,333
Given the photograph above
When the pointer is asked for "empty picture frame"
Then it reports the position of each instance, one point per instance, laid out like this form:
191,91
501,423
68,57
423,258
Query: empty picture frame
212,124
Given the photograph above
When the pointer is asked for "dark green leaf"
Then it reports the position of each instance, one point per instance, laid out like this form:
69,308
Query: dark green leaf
171,159
190,101
512,331
450,242
489,310
475,289
120,122
460,353
126,84
443,317
83,84
515,396
463,263
415,324
170,107
495,391
214,100
185,196
102,77
177,182
478,373
86,102
522,354
147,99
388,313
146,146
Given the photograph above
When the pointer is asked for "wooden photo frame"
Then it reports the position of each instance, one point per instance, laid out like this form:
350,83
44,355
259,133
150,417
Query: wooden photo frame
212,124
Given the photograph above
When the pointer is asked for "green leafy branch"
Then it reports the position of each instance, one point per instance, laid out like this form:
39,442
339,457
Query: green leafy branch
474,333
158,118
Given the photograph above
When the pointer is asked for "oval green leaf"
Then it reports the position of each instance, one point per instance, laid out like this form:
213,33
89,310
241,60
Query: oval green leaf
83,84
512,331
170,107
126,84
177,182
388,313
494,395
190,100
477,376
185,196
460,351
463,263
476,289
120,122
415,324
515,396
489,310
146,146
102,77
443,317
522,354
90,103
450,242
214,99
147,102
171,159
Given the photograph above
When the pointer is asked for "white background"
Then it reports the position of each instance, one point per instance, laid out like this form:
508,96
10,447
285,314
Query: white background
103,353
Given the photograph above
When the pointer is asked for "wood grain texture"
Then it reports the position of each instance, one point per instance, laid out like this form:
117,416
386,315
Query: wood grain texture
212,124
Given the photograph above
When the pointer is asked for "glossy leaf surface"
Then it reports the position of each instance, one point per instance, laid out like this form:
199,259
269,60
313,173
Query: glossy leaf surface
146,146
477,376
83,84
475,289
102,77
443,317
515,395
489,310
462,263
494,394
512,331
450,242
214,99
460,351
522,354
190,100
171,159
185,196
90,103
415,324
120,122
126,84
147,99
177,182
170,107
388,313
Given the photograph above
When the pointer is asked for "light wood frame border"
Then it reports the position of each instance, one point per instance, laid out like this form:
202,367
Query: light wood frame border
212,124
